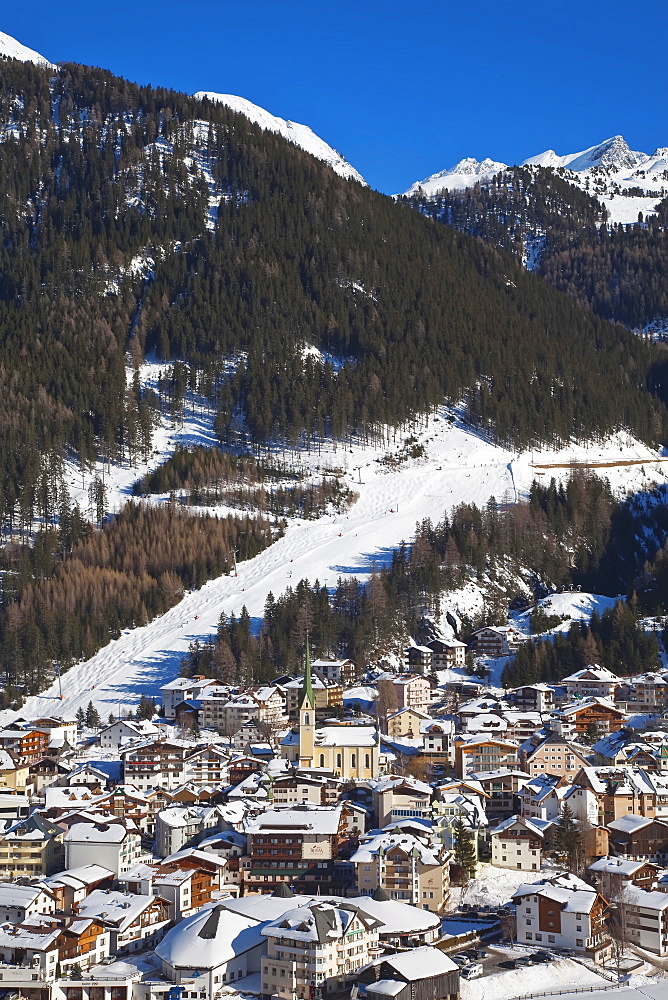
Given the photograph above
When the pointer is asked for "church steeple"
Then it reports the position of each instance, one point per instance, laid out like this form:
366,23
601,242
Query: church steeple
307,696
307,716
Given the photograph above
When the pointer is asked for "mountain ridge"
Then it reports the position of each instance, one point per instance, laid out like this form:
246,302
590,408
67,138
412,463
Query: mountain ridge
605,170
11,48
295,132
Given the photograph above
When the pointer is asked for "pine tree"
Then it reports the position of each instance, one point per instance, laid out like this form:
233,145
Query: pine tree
463,848
93,720
80,717
146,708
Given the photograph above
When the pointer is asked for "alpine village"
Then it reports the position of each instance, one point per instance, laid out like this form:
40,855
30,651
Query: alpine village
334,561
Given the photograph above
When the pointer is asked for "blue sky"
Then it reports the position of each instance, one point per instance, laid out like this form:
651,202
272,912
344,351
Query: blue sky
401,89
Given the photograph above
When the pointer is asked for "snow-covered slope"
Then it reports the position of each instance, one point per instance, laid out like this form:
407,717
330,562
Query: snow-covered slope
464,174
11,49
614,153
625,180
458,466
300,135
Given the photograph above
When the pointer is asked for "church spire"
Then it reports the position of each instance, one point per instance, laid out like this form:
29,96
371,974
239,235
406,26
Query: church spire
307,699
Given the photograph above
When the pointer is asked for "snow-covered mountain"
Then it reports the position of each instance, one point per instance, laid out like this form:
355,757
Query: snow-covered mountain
11,49
627,181
300,135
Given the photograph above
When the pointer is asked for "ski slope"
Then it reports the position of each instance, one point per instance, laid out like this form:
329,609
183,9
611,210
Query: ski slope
458,466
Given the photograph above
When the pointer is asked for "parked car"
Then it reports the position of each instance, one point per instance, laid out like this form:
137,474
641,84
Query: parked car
472,971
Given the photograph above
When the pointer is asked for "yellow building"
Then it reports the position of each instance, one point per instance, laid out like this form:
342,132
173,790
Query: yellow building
14,773
348,751
31,846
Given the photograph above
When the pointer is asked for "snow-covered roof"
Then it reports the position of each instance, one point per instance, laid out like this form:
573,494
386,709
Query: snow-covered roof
631,823
371,847
634,896
210,938
15,894
100,833
420,963
346,736
618,778
387,987
323,820
536,826
81,876
394,782
616,866
592,673
109,906
320,922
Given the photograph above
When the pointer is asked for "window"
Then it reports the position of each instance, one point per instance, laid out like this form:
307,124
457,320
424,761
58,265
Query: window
338,760
529,936
322,760
353,760
578,942
539,937
550,938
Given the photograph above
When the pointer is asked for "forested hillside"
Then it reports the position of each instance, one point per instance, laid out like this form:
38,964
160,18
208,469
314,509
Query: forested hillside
562,536
137,219
561,232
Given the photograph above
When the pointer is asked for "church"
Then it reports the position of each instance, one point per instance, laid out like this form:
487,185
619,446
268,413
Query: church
348,751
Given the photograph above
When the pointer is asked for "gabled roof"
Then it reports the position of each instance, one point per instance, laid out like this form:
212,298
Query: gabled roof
536,826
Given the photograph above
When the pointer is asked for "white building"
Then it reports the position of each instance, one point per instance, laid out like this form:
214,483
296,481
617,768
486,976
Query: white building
176,825
321,944
563,912
124,730
591,681
116,846
182,689
518,843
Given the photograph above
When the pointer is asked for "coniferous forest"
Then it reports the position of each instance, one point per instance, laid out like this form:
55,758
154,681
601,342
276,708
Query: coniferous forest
106,254
139,220
562,536
621,272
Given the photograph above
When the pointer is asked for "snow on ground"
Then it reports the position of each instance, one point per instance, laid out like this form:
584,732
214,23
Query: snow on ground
300,135
458,466
571,605
603,171
11,49
491,887
511,983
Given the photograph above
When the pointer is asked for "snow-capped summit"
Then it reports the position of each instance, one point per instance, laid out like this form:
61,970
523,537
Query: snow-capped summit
300,135
462,175
627,181
614,153
11,49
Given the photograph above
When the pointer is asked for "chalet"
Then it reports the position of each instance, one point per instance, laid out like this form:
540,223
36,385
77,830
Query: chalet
496,640
618,791
293,846
483,753
341,672
592,681
447,653
405,866
135,922
533,698
406,722
396,798
638,838
517,843
587,716
412,691
609,874
563,912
